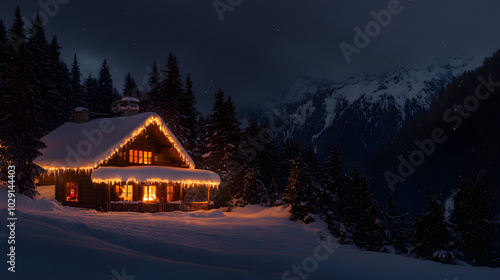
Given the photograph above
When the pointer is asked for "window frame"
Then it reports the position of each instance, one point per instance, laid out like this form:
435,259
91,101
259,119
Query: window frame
68,187
148,191
142,157
128,192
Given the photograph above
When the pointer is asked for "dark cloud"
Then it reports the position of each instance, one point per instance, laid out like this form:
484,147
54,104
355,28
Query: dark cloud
261,47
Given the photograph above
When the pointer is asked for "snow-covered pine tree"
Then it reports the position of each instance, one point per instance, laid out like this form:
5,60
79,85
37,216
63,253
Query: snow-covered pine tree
215,135
289,152
313,192
254,191
273,194
399,229
21,126
91,96
370,229
472,221
222,138
259,150
432,235
105,90
202,144
331,202
357,201
297,192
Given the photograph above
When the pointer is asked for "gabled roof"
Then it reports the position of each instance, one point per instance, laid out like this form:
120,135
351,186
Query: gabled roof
86,145
154,174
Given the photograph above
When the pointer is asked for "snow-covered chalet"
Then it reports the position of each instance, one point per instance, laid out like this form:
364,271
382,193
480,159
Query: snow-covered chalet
128,163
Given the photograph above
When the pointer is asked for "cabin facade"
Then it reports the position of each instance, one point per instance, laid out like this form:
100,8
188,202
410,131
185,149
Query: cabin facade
132,163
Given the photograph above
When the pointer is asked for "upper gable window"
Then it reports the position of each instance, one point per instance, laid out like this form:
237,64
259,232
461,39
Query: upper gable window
140,157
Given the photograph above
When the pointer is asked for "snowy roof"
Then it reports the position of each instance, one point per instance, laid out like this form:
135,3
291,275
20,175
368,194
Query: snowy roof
80,109
128,98
86,145
154,173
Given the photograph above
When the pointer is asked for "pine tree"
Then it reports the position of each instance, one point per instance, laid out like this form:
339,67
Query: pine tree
273,194
254,191
41,72
471,221
20,126
202,144
331,201
222,138
399,230
370,230
215,135
105,90
61,98
130,88
356,202
4,57
432,236
289,152
313,191
259,150
155,77
297,193
188,120
76,86
91,89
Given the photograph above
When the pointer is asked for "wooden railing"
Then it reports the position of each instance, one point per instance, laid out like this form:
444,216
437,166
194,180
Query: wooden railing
194,206
158,207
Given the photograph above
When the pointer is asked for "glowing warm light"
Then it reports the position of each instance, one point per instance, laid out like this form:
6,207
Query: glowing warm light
187,183
148,122
149,194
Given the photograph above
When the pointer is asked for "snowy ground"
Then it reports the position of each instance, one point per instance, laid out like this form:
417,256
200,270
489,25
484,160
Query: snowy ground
55,242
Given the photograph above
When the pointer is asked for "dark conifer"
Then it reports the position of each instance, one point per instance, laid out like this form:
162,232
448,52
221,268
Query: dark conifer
91,89
472,222
294,195
105,90
331,200
399,230
21,126
432,236
130,88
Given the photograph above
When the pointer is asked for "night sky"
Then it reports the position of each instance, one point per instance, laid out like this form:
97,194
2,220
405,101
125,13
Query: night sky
261,47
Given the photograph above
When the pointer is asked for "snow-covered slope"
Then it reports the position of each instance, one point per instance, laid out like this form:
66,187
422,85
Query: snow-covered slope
365,109
55,242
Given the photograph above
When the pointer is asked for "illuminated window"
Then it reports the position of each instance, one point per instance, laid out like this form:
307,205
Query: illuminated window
170,193
71,192
149,193
125,192
140,157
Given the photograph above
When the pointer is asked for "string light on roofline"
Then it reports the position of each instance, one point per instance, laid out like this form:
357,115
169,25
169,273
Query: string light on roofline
189,183
148,122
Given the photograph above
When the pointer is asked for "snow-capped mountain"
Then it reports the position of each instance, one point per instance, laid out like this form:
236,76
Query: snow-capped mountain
361,112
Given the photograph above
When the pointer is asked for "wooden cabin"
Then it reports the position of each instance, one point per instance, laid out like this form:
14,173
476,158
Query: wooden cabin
132,163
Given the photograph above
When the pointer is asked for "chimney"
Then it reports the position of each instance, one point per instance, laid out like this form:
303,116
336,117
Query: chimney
81,115
128,106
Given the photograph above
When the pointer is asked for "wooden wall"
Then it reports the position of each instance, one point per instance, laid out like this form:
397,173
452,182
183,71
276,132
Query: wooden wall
151,140
86,190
